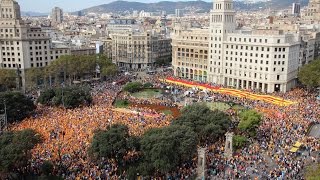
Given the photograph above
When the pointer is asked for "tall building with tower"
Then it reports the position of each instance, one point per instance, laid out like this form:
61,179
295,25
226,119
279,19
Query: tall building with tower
265,60
22,46
57,15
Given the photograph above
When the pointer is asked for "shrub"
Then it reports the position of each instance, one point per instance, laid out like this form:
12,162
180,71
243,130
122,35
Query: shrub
148,85
132,87
239,141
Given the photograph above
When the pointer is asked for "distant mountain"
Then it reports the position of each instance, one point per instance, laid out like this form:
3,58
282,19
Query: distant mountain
198,6
31,14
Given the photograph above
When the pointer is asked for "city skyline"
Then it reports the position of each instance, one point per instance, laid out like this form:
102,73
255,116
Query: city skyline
70,6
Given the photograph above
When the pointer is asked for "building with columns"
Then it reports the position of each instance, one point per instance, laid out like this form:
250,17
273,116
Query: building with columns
261,59
190,49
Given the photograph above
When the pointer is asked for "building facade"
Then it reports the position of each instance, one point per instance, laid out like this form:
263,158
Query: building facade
190,53
263,59
312,12
139,50
21,46
57,15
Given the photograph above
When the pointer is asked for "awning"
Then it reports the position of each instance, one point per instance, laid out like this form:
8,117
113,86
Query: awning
294,149
297,144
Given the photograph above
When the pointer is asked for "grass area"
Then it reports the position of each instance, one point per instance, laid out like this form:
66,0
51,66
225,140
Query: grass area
147,93
219,106
167,112
121,104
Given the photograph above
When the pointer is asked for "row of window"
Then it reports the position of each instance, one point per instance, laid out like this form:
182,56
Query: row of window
191,50
252,48
6,30
235,39
10,59
10,65
8,48
256,54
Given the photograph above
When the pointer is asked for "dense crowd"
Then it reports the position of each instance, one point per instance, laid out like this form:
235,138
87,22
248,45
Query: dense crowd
269,155
67,135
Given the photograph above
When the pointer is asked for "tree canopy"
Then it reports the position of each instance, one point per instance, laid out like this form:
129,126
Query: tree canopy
114,142
18,105
7,79
70,68
309,75
133,87
165,148
207,124
69,97
15,149
249,121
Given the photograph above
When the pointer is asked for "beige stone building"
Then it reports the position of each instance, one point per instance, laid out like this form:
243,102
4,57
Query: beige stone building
312,12
190,53
107,47
139,50
22,46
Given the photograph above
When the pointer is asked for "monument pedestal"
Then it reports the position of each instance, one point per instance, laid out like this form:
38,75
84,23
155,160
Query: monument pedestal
201,168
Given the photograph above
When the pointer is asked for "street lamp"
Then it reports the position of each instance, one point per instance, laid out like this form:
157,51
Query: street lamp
3,119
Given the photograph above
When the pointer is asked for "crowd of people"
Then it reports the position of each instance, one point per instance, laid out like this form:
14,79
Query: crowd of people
268,155
67,135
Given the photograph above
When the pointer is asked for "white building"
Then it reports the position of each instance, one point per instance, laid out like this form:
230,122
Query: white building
265,60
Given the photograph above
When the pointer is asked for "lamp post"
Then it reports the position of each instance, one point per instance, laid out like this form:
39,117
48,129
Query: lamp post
3,119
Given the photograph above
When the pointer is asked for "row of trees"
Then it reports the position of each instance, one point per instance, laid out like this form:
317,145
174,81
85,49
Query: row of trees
160,150
65,69
70,68
69,97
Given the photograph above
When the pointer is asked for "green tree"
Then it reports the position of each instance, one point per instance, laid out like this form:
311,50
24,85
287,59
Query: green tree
239,141
18,105
70,97
207,124
107,68
34,77
15,149
46,96
163,149
249,122
112,143
47,168
309,75
132,87
7,79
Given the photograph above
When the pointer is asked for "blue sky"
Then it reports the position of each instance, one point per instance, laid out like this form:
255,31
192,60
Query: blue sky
67,5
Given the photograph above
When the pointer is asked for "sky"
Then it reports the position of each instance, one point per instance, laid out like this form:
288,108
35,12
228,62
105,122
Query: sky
45,6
